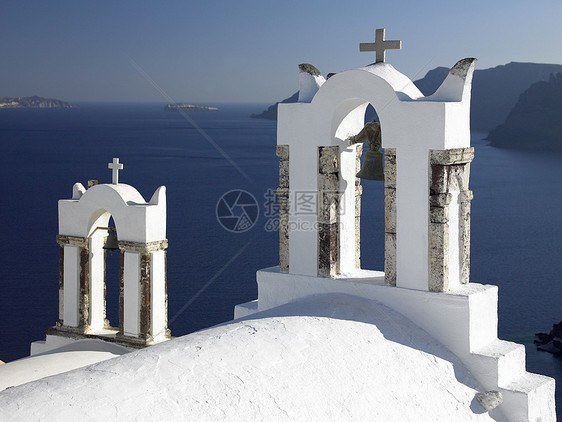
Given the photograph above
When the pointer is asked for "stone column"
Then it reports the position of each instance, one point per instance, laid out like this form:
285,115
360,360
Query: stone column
60,321
143,301
358,193
75,282
121,291
84,293
282,152
465,200
390,216
328,210
449,215
145,284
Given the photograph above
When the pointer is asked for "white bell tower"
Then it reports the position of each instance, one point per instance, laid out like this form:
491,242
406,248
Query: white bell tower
141,231
427,218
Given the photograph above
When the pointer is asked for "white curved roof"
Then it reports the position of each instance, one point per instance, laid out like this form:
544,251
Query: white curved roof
66,358
136,220
326,358
402,85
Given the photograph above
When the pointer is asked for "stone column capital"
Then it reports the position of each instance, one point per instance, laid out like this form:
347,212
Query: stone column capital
158,245
449,157
81,242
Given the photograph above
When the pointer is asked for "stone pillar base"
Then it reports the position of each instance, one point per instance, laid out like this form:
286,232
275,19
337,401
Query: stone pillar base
110,335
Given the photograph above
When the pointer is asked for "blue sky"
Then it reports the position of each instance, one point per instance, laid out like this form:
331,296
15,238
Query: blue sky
248,51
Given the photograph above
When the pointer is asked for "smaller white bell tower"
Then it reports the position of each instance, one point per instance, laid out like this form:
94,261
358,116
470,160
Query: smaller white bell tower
83,231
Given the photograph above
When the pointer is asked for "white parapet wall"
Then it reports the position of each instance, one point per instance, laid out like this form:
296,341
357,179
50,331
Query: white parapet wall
463,320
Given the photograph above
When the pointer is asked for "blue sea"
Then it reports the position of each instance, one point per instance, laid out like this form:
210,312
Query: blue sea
516,216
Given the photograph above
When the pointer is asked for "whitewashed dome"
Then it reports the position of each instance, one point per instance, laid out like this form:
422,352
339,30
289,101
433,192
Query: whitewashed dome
330,357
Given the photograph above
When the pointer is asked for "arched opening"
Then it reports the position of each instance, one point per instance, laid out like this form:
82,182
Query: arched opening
103,312
372,220
362,207
112,273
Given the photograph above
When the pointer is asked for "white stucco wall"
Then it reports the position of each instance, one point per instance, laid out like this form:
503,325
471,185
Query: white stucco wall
71,285
158,295
97,280
463,320
131,287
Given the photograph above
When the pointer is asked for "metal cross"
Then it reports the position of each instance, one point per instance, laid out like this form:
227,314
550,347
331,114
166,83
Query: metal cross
380,45
115,167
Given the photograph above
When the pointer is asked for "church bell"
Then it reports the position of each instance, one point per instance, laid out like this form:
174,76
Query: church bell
372,168
111,242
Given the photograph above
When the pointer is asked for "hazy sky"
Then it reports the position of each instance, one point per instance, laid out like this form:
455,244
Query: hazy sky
248,51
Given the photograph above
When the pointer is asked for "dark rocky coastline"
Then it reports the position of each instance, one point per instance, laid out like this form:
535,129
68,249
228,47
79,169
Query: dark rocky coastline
551,342
534,123
271,112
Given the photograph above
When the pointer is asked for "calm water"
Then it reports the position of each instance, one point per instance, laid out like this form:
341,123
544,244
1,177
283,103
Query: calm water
516,216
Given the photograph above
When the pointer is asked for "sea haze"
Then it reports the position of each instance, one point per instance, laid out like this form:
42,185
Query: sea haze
516,215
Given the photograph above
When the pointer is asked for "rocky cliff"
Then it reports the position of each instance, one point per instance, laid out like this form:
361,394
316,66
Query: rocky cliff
271,112
495,91
535,122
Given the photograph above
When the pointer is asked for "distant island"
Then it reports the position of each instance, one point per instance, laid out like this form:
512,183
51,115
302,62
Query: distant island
189,107
534,123
32,102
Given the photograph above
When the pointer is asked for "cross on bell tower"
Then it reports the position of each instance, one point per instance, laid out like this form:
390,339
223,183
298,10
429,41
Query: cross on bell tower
380,45
115,166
